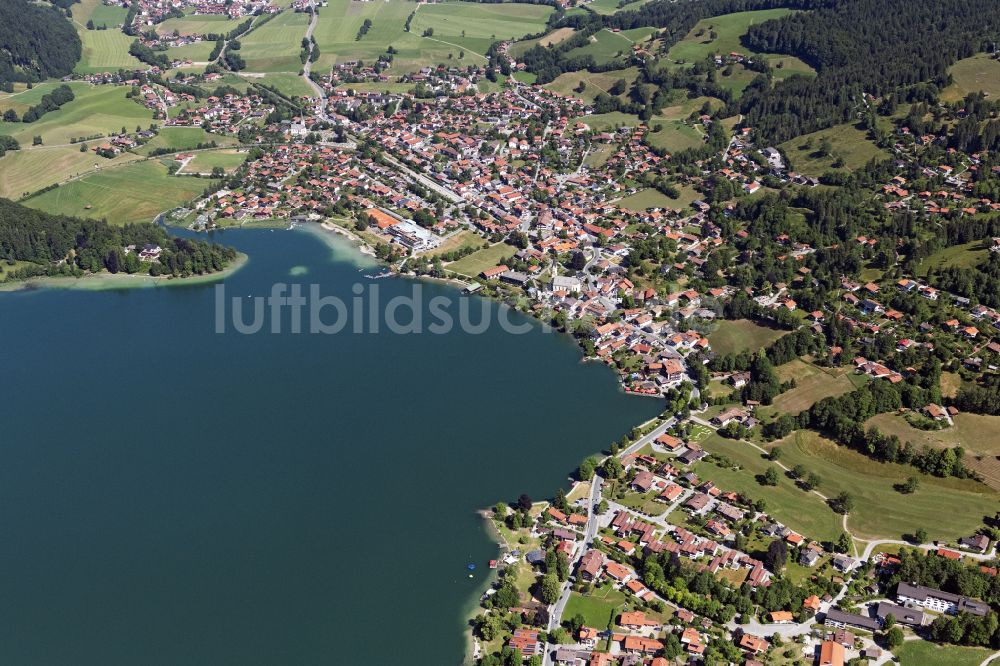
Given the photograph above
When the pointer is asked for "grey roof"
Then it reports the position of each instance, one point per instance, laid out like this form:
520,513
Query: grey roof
920,593
903,615
852,619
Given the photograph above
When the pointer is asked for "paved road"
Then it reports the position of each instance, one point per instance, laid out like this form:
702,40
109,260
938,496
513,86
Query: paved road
307,67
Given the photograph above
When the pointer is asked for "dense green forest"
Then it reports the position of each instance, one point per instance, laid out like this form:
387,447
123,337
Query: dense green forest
36,42
60,245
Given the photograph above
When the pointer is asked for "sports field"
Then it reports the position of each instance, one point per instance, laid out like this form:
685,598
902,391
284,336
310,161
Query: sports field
95,110
132,193
275,46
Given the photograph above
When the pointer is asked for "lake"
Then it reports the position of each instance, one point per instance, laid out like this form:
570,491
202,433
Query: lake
174,495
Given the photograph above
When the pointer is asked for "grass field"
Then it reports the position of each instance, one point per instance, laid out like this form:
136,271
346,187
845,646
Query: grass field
568,82
609,121
804,512
611,6
599,609
197,52
731,337
290,85
676,135
966,255
462,239
729,28
978,434
648,198
132,193
921,653
946,508
479,261
605,46
98,12
25,171
204,162
848,143
518,49
200,24
978,73
22,100
96,110
812,385
275,46
183,138
457,26
105,51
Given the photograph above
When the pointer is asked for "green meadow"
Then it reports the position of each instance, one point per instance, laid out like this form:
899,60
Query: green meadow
275,46
133,193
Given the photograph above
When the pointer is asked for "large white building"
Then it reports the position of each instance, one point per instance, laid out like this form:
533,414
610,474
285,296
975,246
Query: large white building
938,600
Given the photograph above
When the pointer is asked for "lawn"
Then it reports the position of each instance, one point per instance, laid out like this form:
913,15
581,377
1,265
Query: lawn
29,170
199,24
204,162
978,434
275,46
813,383
804,512
463,239
95,110
848,143
979,73
966,255
731,337
132,193
920,653
105,51
946,508
479,261
599,609
183,138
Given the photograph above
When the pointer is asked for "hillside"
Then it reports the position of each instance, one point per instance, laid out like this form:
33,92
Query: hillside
36,42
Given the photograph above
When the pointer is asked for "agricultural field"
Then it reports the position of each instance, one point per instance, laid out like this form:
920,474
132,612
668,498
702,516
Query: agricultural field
132,193
95,110
611,6
813,383
290,85
978,434
474,26
23,98
29,170
105,51
183,138
675,135
848,143
554,37
199,24
946,508
275,46
980,73
477,262
731,337
205,161
805,513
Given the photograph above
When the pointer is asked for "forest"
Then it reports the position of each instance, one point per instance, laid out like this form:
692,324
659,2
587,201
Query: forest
60,245
36,42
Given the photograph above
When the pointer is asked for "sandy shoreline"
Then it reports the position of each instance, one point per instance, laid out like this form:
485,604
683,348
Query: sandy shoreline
101,281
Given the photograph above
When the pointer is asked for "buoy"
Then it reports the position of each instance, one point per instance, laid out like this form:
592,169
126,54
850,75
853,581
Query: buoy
471,566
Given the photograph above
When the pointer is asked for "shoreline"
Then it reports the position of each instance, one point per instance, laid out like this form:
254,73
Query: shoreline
107,281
